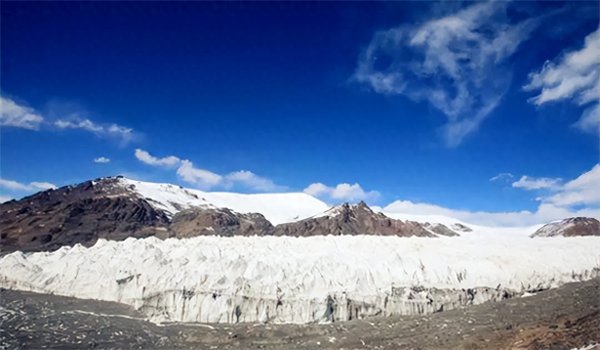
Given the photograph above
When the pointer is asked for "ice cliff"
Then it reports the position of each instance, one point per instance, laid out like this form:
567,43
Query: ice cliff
300,280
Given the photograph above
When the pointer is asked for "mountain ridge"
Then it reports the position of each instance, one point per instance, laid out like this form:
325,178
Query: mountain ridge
116,208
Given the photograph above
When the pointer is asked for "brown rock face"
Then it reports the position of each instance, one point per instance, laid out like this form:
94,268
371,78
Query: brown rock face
218,221
579,226
356,219
77,214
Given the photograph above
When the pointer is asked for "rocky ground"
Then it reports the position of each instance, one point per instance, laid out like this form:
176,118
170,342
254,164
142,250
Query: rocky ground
563,318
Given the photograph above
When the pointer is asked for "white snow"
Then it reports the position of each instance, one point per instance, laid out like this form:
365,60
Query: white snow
476,229
288,279
280,208
276,207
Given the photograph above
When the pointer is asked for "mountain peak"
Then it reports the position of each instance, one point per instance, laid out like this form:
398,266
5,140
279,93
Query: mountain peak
575,226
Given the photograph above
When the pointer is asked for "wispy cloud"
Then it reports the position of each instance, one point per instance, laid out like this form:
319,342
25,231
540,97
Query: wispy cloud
577,197
342,191
574,75
582,191
456,63
207,179
113,130
102,160
536,183
18,186
15,115
502,177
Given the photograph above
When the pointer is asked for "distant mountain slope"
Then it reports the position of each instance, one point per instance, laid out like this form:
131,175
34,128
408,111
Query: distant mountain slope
579,226
359,219
115,208
222,222
276,207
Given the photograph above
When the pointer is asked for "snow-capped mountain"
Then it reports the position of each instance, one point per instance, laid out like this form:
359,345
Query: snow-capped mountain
570,227
276,207
357,219
116,208
168,252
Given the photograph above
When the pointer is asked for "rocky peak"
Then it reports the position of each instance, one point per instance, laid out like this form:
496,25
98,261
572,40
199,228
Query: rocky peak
352,219
576,226
100,208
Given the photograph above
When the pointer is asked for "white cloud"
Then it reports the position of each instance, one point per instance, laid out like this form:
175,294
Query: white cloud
201,177
342,191
574,75
207,179
123,133
578,197
251,180
18,116
532,183
502,177
582,191
455,63
102,160
32,186
145,157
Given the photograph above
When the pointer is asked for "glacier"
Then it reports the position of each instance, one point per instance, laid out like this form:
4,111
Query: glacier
213,279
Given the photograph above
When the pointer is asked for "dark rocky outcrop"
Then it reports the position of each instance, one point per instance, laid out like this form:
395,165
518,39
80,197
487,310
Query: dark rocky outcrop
218,221
356,219
578,226
77,214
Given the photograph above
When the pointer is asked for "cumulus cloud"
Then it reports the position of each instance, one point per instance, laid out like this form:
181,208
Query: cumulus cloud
15,115
32,186
575,75
197,176
578,197
145,157
456,63
207,179
532,183
251,180
123,133
342,191
102,160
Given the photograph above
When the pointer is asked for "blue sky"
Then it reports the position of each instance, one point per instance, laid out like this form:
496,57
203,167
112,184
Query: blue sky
411,105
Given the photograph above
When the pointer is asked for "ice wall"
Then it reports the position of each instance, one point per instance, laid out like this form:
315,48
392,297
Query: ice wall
299,280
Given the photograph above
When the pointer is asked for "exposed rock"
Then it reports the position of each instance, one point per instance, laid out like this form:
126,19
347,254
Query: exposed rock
440,229
461,228
218,221
578,226
356,219
77,214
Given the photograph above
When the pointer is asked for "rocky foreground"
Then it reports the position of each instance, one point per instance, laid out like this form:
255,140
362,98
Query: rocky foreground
564,318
